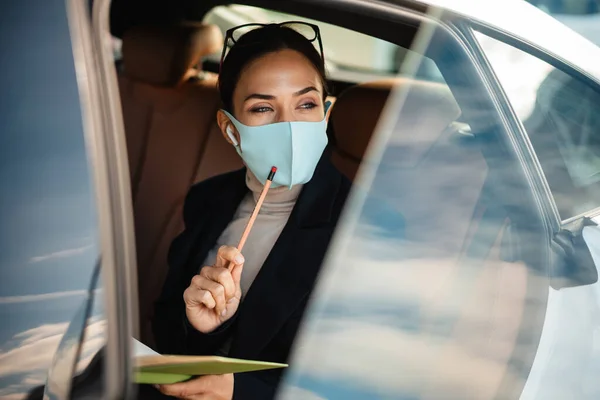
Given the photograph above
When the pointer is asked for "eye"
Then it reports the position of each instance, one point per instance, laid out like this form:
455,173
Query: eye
262,109
308,106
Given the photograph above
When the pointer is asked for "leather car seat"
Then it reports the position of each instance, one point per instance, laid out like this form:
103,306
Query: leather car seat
169,111
353,121
429,110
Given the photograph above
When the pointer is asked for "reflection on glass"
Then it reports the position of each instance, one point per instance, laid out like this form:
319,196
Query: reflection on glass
561,115
452,305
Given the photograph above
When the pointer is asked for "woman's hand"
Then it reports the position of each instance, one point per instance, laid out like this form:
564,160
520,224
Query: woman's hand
214,295
207,387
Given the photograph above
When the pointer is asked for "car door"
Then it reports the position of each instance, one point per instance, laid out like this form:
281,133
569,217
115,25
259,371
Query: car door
454,305
59,275
559,109
49,241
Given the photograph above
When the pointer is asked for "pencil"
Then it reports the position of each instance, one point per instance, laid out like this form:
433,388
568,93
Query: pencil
255,212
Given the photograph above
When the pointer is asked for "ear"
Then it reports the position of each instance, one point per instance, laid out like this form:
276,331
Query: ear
225,124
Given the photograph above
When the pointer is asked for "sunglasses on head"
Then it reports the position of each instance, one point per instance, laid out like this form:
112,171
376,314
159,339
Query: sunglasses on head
310,31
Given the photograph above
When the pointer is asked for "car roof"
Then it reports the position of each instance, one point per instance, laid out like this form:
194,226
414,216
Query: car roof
532,26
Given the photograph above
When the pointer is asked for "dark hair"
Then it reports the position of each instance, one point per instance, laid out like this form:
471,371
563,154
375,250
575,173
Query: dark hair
257,43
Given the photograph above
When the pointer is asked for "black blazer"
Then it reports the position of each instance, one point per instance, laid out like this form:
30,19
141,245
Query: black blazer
266,322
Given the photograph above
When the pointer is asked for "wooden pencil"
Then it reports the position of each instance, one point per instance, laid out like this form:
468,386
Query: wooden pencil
255,212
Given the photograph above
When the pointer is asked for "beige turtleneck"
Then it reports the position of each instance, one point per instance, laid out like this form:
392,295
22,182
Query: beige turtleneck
273,216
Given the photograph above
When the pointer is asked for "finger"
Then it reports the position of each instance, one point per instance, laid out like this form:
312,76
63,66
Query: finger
201,281
205,396
179,390
236,275
184,390
227,255
216,290
195,296
222,276
204,282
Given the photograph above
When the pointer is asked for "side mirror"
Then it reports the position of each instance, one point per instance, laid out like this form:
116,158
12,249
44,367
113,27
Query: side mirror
573,264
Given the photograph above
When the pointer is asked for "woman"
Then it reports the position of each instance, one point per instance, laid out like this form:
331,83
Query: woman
273,88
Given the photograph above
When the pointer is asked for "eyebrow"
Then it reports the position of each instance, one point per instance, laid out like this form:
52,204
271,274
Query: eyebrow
271,97
306,90
260,96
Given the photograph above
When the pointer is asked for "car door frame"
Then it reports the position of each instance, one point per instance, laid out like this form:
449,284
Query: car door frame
567,235
516,127
110,175
562,65
468,27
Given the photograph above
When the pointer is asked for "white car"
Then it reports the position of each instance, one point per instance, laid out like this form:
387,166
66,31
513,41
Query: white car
465,262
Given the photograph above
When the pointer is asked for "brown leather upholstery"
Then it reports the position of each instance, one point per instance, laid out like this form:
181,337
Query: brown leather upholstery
353,120
165,55
172,140
358,109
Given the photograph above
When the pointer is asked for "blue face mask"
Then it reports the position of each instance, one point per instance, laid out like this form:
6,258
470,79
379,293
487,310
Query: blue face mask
294,148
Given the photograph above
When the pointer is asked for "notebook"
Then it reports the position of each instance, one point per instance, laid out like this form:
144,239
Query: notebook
154,368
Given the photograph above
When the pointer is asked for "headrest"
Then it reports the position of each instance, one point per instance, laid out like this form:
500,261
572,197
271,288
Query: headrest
164,55
355,114
427,110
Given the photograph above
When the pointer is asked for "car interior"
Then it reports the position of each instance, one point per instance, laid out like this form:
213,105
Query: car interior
169,102
167,85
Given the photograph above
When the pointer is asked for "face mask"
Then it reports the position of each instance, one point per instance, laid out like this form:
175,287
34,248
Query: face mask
294,148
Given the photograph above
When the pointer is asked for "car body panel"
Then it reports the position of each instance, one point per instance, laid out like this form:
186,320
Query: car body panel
543,32
567,361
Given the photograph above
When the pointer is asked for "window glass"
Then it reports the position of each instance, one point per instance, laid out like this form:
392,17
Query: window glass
435,286
350,55
48,234
561,115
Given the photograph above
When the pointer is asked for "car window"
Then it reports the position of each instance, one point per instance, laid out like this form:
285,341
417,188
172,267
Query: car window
350,55
49,233
436,283
561,114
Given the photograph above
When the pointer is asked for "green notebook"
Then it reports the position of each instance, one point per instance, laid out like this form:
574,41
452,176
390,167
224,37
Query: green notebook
153,368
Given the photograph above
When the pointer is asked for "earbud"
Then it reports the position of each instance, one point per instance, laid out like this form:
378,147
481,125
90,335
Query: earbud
229,131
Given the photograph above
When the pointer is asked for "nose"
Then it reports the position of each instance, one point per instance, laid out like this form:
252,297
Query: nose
286,115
